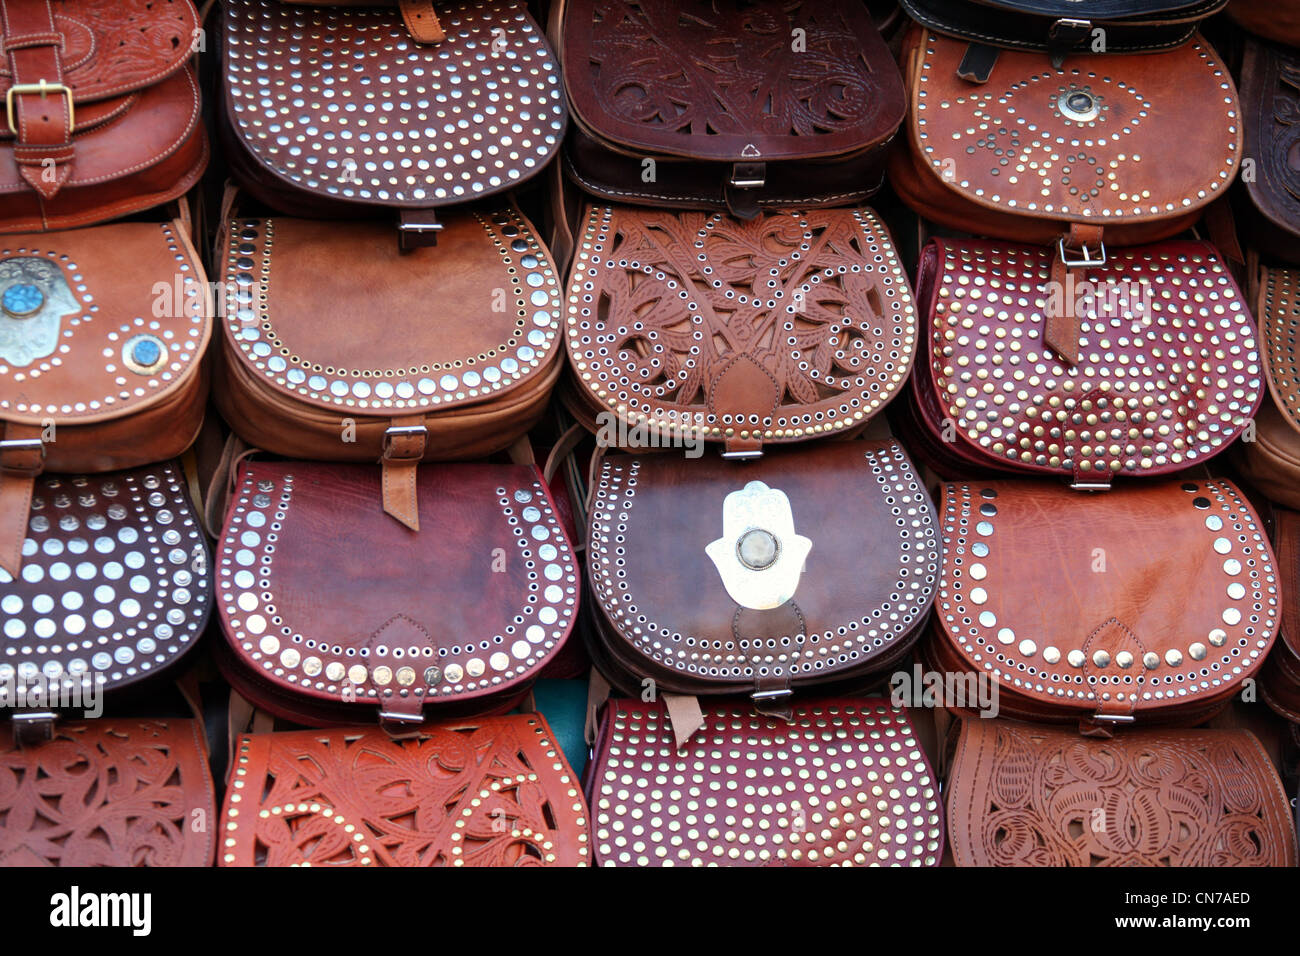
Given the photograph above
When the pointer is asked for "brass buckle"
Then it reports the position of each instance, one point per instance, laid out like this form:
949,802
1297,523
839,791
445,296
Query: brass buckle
44,89
1074,258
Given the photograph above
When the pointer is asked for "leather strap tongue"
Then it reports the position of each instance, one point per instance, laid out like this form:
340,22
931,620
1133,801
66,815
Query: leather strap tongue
40,108
421,21
403,449
1075,251
685,715
22,458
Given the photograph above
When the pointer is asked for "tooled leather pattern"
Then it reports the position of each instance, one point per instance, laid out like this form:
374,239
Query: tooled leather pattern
121,793
814,301
115,46
700,70
1051,798
496,793
1284,142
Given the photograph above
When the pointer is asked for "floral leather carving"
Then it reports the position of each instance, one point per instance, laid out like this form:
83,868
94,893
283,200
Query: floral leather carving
493,792
1020,795
108,793
1270,96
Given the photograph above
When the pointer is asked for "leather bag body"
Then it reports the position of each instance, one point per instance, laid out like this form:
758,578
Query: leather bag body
104,113
1271,462
495,791
1148,603
1270,98
1279,22
1167,370
1026,795
876,803
425,123
742,107
716,578
102,333
1280,681
335,614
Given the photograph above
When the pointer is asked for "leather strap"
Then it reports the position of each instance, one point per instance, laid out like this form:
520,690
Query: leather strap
422,22
977,63
598,691
685,715
1061,332
403,450
42,119
19,466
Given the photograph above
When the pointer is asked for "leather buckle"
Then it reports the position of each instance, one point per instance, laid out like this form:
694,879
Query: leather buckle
394,432
1114,718
1070,26
747,454
749,175
21,445
417,233
44,89
772,694
33,727
1074,258
1090,486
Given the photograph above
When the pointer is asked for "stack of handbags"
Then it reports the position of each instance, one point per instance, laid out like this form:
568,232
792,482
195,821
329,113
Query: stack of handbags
743,107
104,573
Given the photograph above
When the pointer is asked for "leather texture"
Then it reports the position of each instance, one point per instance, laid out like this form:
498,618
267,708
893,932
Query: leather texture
117,127
1168,369
1129,26
333,336
496,593
1270,98
1098,140
804,95
102,332
116,582
309,134
736,794
490,792
420,16
1279,22
837,611
1022,795
786,327
1065,602
108,793
1271,462
1280,681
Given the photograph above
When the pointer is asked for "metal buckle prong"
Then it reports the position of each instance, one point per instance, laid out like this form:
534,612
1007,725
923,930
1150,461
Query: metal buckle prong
44,89
772,694
1115,718
1074,258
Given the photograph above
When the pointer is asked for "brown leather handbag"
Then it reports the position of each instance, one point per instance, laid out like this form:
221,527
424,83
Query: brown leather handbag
490,792
103,110
1142,365
1091,151
1271,460
1280,680
1270,97
714,578
1025,795
340,347
101,335
458,618
1150,603
449,107
743,107
696,327
875,802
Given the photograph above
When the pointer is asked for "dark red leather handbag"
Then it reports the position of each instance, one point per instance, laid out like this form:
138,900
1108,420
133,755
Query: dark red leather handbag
742,793
334,614
1141,365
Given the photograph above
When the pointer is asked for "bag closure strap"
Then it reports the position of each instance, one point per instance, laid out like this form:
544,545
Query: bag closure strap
38,104
421,21
404,447
22,458
1079,249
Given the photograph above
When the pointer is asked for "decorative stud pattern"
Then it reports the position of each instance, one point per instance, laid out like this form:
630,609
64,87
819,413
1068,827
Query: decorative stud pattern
845,783
114,584
1279,319
1169,370
662,306
343,102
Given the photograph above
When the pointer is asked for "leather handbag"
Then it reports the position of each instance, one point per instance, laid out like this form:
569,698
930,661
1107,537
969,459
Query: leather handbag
1280,680
103,110
101,335
1171,604
456,619
1270,98
873,802
347,110
108,793
1025,795
1060,27
1271,461
743,107
1143,365
779,591
495,791
1088,153
340,347
696,327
